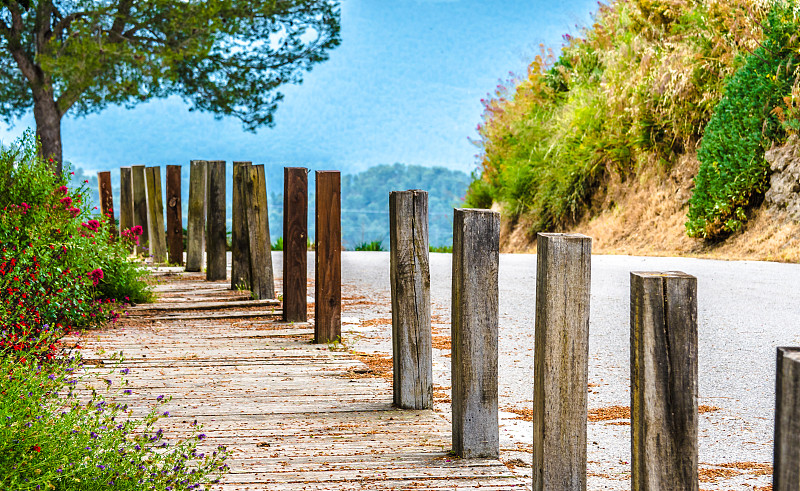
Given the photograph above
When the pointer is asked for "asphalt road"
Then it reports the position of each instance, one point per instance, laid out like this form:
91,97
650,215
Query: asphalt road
745,310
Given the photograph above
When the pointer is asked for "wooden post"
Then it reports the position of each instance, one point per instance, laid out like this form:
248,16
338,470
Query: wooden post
155,213
106,199
240,238
125,199
561,361
174,216
475,318
261,275
196,219
217,261
411,294
295,244
140,216
786,473
328,258
664,381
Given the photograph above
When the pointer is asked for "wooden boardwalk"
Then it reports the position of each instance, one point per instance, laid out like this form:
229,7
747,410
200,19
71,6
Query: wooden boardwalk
293,413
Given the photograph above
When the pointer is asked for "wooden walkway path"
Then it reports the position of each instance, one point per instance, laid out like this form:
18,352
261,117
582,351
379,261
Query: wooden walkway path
292,412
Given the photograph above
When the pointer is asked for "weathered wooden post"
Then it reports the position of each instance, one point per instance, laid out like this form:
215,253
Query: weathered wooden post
664,381
240,238
561,361
125,199
411,293
328,258
261,275
155,213
295,244
106,199
174,217
217,262
475,318
196,220
140,216
786,461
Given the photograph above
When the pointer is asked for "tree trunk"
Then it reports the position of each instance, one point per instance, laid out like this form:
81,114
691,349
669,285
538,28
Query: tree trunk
48,128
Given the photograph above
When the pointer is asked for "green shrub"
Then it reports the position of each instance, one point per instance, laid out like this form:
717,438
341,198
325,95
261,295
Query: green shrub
375,245
50,439
441,248
733,172
278,244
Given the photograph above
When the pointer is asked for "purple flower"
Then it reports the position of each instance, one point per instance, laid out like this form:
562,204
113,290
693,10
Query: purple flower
128,391
201,436
159,397
125,371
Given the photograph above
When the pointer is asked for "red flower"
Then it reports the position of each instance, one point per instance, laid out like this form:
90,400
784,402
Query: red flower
37,448
96,275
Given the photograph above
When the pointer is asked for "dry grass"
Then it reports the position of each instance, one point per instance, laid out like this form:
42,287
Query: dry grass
378,366
525,414
441,342
609,413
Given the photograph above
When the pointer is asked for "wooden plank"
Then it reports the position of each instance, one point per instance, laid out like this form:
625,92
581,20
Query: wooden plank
664,408
475,319
140,215
216,262
786,473
261,275
563,273
155,215
174,215
172,307
240,236
328,258
196,223
411,299
107,199
227,315
295,240
125,199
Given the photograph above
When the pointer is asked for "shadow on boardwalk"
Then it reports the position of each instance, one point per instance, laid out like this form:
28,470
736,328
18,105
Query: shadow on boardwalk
284,406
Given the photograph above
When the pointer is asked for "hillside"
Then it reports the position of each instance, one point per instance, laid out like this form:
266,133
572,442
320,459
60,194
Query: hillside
650,133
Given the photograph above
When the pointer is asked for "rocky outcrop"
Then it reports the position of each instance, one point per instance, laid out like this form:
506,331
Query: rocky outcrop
783,194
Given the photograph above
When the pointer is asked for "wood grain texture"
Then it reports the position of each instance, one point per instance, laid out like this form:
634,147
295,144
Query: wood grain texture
174,216
295,244
664,409
328,258
155,215
216,261
106,199
125,199
240,237
140,214
261,274
284,407
411,299
786,473
561,361
196,220
474,345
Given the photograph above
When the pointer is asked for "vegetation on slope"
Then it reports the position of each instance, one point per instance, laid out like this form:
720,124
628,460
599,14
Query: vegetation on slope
625,100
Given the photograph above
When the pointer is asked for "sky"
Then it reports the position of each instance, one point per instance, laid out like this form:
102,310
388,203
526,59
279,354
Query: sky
404,86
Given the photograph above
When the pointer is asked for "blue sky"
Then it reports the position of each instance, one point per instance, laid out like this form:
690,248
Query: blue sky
404,86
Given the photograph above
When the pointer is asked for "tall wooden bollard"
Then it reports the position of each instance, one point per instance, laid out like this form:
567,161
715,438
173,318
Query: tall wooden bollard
261,274
155,215
174,216
240,238
140,215
295,244
786,461
664,381
328,258
411,305
125,199
196,219
217,261
475,318
106,199
561,361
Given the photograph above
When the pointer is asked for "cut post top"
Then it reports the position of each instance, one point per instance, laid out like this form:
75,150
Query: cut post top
475,211
790,352
661,274
570,236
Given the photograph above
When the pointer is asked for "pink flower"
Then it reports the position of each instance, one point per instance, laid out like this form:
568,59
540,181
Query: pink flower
66,201
93,225
26,206
75,211
137,230
96,275
63,189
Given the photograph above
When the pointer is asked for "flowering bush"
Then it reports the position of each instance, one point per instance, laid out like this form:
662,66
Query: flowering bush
50,439
59,268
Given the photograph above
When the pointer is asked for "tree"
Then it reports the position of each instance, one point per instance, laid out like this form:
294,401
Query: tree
227,57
